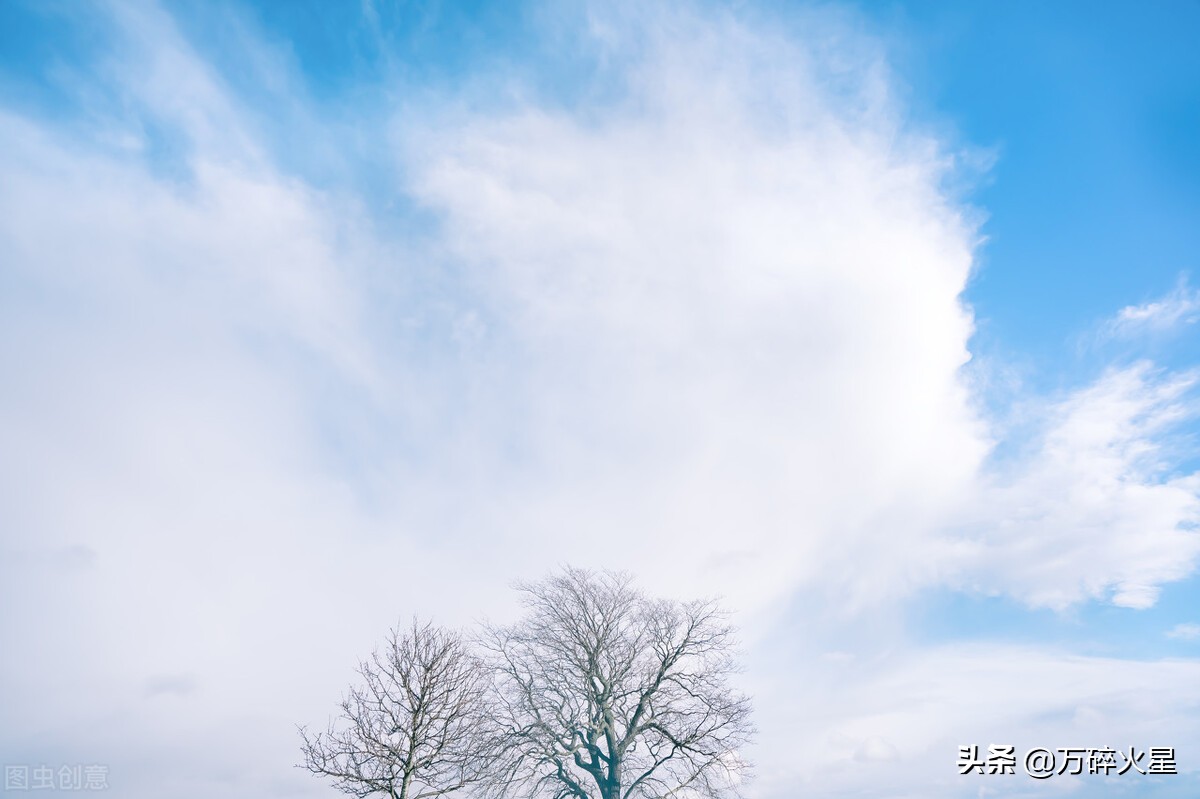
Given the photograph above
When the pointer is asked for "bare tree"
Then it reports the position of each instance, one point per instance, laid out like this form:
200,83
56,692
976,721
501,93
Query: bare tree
604,693
416,727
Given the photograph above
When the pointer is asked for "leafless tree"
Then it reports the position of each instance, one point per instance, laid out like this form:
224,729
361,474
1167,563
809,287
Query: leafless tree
417,725
604,693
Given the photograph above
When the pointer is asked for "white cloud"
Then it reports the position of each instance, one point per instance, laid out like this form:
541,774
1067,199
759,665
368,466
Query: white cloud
918,707
710,332
746,324
1185,632
1094,509
1179,308
730,307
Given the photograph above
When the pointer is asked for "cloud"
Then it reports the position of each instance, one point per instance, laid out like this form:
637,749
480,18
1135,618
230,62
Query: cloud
1185,632
1092,508
706,327
1179,308
737,308
919,706
728,308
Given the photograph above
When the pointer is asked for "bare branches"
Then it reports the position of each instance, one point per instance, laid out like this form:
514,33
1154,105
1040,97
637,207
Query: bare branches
603,693
416,727
598,692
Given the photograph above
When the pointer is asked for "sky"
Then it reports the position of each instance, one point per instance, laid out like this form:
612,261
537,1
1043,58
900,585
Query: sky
876,320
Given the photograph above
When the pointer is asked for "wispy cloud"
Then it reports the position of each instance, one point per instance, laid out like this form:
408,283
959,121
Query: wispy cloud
1185,632
920,706
1093,508
1180,308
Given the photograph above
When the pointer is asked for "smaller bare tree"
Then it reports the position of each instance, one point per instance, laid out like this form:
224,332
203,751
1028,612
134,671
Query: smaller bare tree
416,727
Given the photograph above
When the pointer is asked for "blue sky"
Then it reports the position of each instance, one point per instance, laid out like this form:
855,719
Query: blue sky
1089,110
877,320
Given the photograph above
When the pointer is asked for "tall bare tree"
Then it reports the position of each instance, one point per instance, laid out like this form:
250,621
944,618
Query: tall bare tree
605,693
417,725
